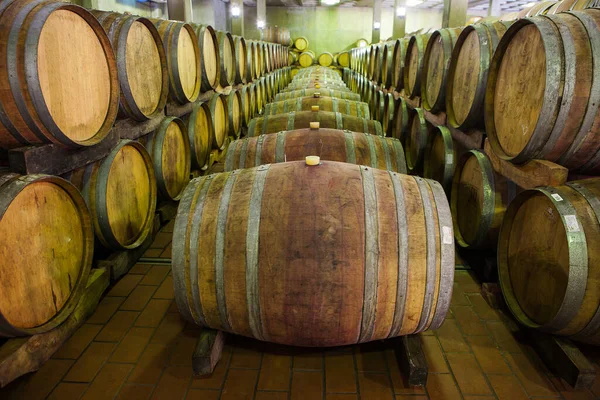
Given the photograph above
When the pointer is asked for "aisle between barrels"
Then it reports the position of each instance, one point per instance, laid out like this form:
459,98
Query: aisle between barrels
136,346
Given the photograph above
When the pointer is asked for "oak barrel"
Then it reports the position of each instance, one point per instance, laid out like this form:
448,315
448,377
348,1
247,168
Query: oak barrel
220,120
400,121
547,259
413,64
141,64
415,140
183,59
306,59
209,55
325,59
440,157
120,192
301,43
47,246
321,92
330,144
343,59
387,57
479,199
201,134
241,59
365,276
302,119
234,113
348,107
62,86
247,105
387,114
226,58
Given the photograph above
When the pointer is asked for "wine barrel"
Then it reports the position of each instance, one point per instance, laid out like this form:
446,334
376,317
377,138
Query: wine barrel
251,54
400,122
42,282
387,114
436,63
183,59
316,85
220,120
415,139
305,59
348,107
325,59
227,58
234,113
292,57
258,97
140,59
120,192
262,82
47,96
210,59
201,134
468,73
387,56
330,144
169,148
547,253
343,59
302,119
321,92
247,106
479,199
413,70
257,60
378,104
440,157
558,119
301,43
287,230
241,59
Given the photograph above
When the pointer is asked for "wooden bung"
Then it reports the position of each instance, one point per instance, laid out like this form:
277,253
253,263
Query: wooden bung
330,144
42,285
240,277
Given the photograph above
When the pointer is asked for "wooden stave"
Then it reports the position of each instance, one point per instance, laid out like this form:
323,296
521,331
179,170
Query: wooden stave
450,158
448,37
498,193
282,95
91,180
387,116
39,127
169,31
360,148
10,187
414,142
488,41
206,84
356,109
154,143
218,143
188,294
200,156
261,125
117,26
225,78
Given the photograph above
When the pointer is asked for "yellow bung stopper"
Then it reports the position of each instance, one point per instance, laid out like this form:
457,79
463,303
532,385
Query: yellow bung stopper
314,125
317,86
313,160
314,108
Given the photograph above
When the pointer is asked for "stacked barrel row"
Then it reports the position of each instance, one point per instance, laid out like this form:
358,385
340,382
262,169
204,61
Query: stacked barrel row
67,75
299,54
530,86
314,209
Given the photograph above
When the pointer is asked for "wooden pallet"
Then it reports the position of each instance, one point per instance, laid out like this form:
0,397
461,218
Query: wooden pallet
20,356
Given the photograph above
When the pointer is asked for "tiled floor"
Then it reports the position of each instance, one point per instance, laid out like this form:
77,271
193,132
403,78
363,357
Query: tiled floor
136,346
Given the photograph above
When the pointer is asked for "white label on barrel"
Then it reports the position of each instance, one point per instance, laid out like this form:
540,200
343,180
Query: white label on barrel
447,235
571,221
556,197
449,158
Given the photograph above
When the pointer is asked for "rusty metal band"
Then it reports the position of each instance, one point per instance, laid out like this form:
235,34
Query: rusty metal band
290,121
252,234
258,153
219,258
339,120
402,284
280,147
230,154
431,254
371,255
372,150
386,152
350,147
334,104
446,279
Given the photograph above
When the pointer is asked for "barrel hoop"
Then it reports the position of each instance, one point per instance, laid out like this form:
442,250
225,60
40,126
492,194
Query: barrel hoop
339,121
578,261
594,324
371,255
258,154
230,154
290,121
280,147
365,126
219,258
268,109
334,105
402,283
400,161
252,235
121,55
298,104
446,279
386,151
194,229
372,151
431,254
350,147
243,153
264,124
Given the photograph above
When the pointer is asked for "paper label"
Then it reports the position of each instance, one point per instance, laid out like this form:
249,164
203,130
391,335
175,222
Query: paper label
447,236
572,224
556,197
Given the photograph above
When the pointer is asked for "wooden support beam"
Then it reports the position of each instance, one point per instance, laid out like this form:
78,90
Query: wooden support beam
494,8
237,21
411,359
208,351
455,13
399,29
376,33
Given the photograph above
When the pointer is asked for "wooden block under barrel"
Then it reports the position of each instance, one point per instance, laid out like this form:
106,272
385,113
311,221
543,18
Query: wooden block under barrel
411,359
208,351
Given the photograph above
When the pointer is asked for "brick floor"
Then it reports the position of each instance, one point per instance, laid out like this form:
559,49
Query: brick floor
136,346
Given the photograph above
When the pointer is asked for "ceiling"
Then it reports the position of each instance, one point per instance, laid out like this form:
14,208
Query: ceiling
479,5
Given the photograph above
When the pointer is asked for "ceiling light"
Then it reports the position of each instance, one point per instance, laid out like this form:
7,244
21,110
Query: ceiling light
400,11
330,2
412,3
376,25
533,3
235,11
260,24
